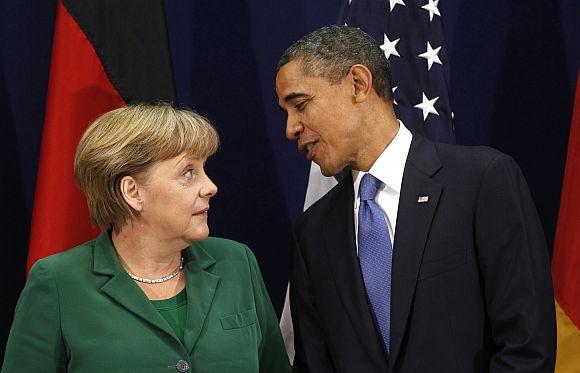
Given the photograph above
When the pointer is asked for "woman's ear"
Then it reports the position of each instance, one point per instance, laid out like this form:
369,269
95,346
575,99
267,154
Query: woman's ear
132,193
362,80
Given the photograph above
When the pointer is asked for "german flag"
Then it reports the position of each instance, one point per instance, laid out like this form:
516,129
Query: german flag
566,258
105,54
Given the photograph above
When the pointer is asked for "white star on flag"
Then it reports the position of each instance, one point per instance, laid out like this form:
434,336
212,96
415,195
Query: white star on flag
431,7
428,106
394,101
389,47
431,56
395,2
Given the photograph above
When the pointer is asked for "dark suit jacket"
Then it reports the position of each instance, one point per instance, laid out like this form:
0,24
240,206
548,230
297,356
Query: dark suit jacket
81,312
471,285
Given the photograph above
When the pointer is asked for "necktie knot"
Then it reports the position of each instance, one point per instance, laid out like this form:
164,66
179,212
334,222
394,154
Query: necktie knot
369,185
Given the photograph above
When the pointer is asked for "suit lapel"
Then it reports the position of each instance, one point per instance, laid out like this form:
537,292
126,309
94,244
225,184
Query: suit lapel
122,289
413,224
201,289
341,253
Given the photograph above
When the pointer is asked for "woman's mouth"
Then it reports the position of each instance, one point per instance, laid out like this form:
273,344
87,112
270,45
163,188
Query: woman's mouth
202,212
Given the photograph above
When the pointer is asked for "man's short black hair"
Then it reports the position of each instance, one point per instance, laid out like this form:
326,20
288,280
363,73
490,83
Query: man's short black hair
331,51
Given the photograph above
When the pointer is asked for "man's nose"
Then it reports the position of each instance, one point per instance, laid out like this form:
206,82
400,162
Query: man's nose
293,128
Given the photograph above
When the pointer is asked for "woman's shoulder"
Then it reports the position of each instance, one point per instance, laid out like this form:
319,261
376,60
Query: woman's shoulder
75,257
230,259
225,249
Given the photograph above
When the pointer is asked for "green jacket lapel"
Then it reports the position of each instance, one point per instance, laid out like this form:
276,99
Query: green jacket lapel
201,289
122,289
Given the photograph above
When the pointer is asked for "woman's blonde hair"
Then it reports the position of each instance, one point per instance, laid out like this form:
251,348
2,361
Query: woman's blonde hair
125,142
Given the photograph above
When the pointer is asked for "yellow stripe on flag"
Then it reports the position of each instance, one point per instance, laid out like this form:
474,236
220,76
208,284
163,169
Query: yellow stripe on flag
568,357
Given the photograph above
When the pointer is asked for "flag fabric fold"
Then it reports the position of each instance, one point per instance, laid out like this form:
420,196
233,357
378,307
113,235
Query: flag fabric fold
566,256
105,54
410,34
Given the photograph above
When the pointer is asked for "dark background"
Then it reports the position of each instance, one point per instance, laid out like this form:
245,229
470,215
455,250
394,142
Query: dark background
513,73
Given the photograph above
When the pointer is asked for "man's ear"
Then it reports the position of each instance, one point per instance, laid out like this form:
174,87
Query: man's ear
132,193
362,80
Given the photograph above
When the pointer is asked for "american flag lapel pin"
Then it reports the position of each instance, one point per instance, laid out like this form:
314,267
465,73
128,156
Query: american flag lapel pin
423,199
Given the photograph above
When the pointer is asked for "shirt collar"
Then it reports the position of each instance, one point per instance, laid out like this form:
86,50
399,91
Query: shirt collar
390,165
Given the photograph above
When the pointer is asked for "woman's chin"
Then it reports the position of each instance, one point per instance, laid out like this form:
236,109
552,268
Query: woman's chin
197,234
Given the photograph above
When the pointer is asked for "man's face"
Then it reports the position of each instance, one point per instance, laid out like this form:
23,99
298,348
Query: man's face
320,117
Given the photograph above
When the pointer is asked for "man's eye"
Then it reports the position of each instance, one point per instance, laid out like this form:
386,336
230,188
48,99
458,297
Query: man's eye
300,106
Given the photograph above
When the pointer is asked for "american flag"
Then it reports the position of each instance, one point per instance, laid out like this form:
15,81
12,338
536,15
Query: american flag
410,34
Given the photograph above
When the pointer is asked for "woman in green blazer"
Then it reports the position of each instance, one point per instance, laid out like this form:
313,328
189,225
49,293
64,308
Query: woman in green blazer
152,293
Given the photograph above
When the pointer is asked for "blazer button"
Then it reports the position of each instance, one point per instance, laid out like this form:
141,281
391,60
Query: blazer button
182,366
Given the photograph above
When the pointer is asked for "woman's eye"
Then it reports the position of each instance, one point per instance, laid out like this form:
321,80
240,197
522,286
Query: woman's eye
189,173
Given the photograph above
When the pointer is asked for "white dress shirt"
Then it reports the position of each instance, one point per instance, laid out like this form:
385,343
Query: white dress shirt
388,168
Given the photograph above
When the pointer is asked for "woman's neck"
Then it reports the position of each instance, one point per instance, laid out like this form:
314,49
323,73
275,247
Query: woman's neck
145,256
150,258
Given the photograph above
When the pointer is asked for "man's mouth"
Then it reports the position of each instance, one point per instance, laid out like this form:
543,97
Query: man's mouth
306,146
309,149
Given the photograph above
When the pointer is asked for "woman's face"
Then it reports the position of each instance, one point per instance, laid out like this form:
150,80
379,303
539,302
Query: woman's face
175,199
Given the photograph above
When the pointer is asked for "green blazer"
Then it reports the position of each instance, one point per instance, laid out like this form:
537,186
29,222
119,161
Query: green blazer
81,312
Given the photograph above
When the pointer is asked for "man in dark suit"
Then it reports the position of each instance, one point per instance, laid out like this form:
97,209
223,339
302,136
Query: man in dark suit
427,257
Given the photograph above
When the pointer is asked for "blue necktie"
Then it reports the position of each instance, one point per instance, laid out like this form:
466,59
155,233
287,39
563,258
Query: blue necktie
375,254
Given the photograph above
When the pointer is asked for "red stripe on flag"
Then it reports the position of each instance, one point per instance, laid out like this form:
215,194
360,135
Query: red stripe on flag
566,258
78,91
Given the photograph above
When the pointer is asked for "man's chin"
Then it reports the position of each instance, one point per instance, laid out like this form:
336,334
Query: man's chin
327,171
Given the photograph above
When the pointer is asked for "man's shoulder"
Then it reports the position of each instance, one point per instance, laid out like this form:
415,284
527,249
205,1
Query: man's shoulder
471,158
323,206
484,153
466,165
